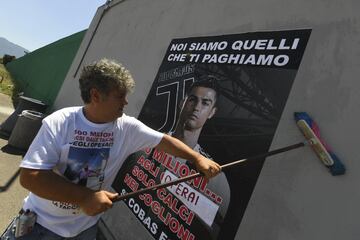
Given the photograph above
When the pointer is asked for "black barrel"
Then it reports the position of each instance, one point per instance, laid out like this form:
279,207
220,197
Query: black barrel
25,103
25,130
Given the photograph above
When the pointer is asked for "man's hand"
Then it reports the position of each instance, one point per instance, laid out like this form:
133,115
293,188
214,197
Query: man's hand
177,148
207,166
49,185
97,202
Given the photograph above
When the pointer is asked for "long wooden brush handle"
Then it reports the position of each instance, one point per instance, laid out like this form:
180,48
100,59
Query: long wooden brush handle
195,175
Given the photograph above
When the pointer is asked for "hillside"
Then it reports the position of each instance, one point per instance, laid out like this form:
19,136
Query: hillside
6,82
7,47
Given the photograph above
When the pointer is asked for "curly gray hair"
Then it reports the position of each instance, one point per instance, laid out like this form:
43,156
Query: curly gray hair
104,75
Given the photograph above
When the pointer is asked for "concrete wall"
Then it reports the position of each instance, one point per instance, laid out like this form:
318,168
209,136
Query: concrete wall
295,196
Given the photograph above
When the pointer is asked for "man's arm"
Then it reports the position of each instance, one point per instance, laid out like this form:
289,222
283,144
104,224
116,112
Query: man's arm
177,148
51,186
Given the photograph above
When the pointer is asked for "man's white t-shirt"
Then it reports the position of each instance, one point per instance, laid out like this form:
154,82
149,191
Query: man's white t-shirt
85,153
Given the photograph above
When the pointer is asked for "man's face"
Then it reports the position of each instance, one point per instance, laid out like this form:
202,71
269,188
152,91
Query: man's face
198,107
111,106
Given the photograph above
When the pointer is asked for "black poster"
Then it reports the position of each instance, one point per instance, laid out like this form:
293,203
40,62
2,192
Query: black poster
223,96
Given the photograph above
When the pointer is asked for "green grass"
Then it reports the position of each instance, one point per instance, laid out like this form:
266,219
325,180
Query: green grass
6,82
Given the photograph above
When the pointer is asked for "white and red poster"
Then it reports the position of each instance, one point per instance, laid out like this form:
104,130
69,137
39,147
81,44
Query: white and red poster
223,96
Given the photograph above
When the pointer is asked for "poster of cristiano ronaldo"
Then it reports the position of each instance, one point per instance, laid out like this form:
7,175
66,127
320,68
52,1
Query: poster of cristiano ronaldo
223,96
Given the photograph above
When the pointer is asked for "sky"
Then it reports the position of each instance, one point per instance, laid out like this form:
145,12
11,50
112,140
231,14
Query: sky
33,24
